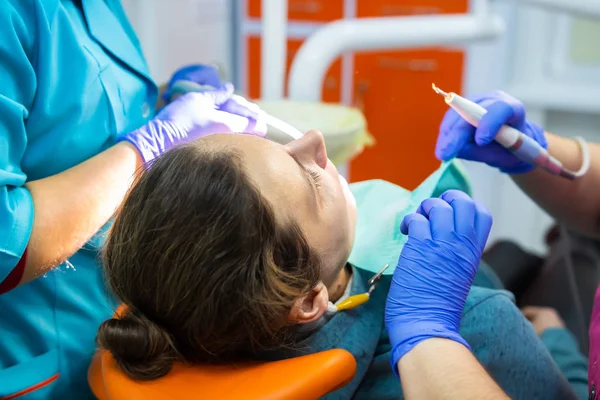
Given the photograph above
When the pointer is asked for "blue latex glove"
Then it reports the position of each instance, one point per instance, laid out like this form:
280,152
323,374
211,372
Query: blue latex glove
446,237
193,116
205,75
458,138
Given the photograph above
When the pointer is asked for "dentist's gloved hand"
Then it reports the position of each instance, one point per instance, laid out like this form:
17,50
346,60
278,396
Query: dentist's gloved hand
204,75
446,237
193,116
458,138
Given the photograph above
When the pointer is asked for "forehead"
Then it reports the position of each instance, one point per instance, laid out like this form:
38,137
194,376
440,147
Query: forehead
275,173
265,161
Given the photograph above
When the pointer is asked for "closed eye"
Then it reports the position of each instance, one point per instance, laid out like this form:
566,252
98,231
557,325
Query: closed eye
316,177
313,178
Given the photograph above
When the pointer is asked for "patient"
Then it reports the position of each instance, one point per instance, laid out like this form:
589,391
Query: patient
232,247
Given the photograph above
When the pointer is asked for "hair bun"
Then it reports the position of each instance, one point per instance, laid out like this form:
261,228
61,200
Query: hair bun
141,348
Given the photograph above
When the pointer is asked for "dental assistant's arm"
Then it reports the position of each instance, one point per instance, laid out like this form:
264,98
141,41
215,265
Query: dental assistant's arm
446,237
70,207
437,369
575,203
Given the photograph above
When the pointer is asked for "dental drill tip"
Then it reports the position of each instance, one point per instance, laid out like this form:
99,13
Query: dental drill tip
438,90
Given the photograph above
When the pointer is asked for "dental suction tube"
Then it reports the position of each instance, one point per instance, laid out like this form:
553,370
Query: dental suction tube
521,145
184,86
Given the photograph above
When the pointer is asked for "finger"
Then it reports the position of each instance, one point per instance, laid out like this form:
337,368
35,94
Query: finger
464,211
259,128
216,97
256,127
417,226
530,312
492,154
517,106
539,309
454,133
498,114
225,122
483,224
230,123
237,108
240,106
201,101
440,216
222,94
451,118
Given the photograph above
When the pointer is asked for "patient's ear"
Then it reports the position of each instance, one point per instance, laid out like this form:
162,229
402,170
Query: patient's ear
311,306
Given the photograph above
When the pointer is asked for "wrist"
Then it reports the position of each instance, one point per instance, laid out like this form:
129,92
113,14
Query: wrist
144,141
131,151
143,152
566,150
429,349
405,336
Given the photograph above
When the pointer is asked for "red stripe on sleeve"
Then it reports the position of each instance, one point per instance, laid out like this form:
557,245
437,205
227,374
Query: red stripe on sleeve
13,279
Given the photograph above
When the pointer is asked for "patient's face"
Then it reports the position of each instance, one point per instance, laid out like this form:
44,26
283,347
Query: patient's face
303,186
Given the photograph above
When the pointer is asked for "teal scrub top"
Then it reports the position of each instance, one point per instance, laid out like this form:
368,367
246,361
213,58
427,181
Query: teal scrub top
72,78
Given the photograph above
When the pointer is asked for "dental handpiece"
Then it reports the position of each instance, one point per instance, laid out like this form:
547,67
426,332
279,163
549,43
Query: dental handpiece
521,145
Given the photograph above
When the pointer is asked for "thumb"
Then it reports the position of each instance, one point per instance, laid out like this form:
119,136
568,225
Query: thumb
222,94
530,312
498,114
241,106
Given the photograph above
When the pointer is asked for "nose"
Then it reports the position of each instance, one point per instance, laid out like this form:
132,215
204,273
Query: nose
310,148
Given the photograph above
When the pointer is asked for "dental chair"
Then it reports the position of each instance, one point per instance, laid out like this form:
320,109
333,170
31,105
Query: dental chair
306,377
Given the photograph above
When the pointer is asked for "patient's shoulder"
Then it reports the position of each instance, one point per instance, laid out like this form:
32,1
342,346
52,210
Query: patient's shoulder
491,319
498,333
489,313
507,346
486,299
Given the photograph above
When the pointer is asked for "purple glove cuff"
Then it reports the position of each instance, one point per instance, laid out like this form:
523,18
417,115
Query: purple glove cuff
154,138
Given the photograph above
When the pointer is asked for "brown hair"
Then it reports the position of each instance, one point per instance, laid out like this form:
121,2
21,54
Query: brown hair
207,272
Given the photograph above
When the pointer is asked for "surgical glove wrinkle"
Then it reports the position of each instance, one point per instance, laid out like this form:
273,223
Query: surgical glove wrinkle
446,238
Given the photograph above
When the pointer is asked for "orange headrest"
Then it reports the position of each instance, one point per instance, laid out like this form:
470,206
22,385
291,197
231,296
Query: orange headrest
306,377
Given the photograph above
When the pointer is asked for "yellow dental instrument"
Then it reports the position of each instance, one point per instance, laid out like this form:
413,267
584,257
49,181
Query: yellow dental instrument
358,299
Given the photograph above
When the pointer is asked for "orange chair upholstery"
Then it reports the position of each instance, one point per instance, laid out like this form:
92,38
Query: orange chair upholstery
306,377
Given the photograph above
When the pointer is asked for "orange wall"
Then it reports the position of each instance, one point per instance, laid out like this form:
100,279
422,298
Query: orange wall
393,88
